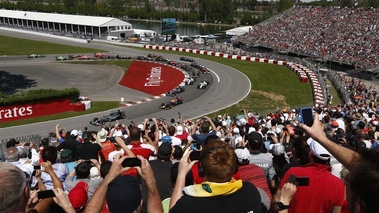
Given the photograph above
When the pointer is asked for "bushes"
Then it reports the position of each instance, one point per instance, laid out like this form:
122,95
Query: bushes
35,96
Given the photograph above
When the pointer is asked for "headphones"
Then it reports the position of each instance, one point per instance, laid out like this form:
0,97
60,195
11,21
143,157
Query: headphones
203,155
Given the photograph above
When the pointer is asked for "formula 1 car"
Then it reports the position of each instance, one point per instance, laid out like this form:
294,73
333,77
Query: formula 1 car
190,80
123,57
36,56
203,84
61,58
186,59
83,57
119,114
160,58
170,104
142,57
175,91
204,70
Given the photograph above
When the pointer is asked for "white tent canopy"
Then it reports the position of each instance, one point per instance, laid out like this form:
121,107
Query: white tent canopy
238,31
95,21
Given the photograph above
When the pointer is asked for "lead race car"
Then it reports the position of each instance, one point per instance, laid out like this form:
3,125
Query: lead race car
119,114
36,56
170,104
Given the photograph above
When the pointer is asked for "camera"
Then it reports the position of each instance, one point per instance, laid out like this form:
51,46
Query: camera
150,119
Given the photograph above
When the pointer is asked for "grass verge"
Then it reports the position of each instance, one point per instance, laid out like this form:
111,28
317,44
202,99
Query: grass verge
18,46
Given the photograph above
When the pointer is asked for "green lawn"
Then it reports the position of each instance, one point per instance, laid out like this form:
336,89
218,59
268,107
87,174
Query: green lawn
18,46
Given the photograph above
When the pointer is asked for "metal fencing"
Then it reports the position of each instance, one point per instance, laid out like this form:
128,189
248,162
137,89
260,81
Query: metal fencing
36,139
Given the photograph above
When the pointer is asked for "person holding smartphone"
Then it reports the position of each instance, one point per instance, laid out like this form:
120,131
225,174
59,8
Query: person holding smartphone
323,192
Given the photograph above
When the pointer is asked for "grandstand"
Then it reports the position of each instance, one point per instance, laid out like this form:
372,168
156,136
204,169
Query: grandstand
342,35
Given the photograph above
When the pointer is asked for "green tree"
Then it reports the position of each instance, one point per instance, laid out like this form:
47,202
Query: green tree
283,5
347,3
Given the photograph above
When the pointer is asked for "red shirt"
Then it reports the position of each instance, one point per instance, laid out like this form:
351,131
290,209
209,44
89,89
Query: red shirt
145,150
324,191
107,147
255,175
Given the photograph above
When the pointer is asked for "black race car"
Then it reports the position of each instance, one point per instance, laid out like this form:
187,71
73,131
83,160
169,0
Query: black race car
186,59
119,114
170,104
176,91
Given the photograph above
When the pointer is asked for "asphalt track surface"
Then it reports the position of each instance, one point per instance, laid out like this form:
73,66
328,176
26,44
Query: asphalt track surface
228,86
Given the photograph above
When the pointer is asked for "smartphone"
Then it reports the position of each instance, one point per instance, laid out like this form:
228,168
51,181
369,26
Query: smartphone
195,155
302,181
45,194
306,116
131,162
38,167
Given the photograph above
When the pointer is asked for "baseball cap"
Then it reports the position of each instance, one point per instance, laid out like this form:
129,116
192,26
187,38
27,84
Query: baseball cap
318,150
334,124
65,155
236,130
249,114
94,173
255,140
11,142
278,149
165,149
74,132
123,194
102,135
179,130
166,139
78,195
86,135
242,154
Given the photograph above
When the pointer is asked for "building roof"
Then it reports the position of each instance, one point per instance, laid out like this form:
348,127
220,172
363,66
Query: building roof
238,31
95,21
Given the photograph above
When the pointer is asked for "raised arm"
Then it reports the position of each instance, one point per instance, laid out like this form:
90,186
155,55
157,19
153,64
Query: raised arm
211,122
154,203
184,167
344,155
121,143
57,133
98,198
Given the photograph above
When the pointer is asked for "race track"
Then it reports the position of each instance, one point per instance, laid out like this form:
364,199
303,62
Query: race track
228,87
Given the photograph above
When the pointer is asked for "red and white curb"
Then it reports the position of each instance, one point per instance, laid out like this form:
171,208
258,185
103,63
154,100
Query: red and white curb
132,103
303,72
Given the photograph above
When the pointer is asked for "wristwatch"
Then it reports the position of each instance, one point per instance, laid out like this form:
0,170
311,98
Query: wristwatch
281,206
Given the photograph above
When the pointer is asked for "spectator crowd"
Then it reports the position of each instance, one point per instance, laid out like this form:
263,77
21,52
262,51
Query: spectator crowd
347,35
243,163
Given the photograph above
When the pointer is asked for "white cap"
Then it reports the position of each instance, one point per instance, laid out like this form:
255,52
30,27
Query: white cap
74,132
236,130
318,150
179,130
242,154
249,114
243,121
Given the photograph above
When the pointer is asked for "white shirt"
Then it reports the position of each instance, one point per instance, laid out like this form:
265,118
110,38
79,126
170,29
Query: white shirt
175,141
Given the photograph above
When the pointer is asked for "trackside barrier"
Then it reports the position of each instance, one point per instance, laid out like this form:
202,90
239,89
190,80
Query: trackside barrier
36,139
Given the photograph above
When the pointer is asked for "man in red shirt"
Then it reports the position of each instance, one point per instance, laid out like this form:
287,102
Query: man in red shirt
324,193
106,145
137,147
251,172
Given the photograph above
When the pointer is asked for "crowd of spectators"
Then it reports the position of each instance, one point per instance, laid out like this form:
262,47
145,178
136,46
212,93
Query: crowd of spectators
248,162
348,35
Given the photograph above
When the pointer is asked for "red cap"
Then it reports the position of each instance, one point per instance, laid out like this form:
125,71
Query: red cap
78,195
